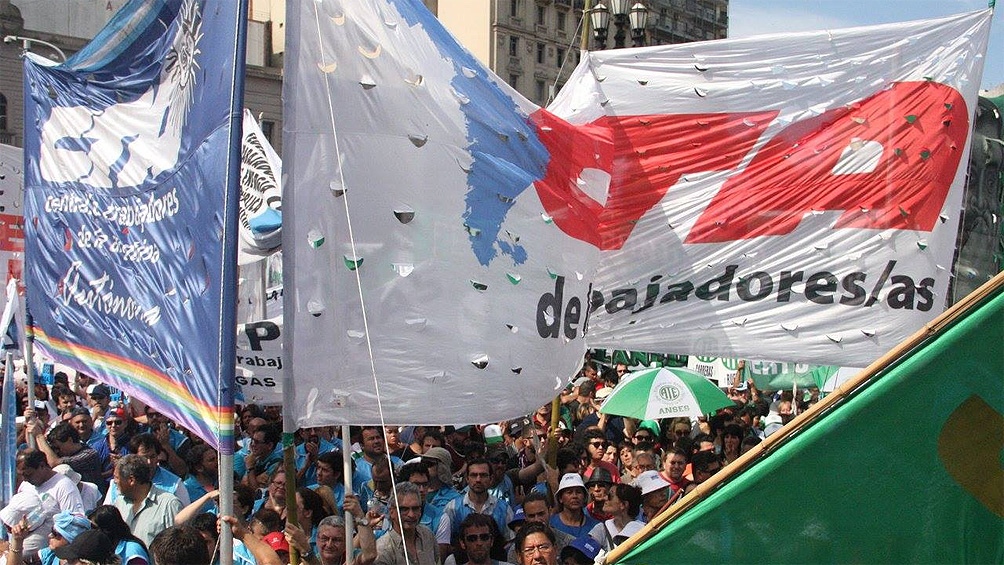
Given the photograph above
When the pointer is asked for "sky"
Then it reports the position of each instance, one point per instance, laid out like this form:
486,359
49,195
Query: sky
756,17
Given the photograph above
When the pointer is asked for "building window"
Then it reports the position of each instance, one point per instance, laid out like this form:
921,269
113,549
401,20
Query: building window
3,113
541,15
561,21
514,81
513,46
514,8
541,91
561,57
268,129
541,53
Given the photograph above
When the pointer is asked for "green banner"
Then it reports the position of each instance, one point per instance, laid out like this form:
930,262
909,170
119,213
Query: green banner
907,470
637,359
766,375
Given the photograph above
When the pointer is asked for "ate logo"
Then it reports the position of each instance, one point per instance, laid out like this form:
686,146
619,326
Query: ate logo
886,162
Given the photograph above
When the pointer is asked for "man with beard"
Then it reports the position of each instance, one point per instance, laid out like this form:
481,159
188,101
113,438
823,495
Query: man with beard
37,476
477,500
147,509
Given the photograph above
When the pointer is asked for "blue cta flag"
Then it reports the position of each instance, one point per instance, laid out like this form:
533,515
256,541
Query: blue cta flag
130,206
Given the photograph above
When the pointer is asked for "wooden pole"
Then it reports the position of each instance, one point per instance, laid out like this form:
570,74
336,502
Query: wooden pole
807,418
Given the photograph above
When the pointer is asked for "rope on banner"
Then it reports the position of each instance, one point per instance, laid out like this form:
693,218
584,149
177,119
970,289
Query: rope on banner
359,287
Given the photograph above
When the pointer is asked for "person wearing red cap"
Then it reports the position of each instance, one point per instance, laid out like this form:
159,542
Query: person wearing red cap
277,541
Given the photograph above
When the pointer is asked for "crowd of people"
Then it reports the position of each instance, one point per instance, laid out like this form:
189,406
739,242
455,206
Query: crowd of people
110,481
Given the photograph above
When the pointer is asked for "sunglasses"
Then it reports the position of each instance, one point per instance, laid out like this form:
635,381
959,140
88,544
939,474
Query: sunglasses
471,538
113,422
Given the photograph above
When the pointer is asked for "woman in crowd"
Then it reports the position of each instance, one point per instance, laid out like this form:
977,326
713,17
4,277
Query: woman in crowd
623,503
129,548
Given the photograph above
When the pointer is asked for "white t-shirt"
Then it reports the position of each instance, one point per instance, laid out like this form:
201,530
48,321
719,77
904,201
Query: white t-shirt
60,489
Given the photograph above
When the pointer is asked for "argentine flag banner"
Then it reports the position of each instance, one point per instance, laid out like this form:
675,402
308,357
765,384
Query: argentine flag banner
130,218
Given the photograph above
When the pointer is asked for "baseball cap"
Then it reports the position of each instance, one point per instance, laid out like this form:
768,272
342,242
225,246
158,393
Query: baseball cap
570,480
518,517
24,505
603,393
517,426
64,469
277,541
69,525
586,545
99,390
92,545
649,482
493,434
440,455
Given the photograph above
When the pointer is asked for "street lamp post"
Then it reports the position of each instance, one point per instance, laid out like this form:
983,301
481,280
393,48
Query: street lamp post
27,41
599,17
636,17
639,21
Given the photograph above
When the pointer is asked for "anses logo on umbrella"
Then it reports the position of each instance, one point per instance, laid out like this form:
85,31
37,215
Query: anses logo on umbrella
669,393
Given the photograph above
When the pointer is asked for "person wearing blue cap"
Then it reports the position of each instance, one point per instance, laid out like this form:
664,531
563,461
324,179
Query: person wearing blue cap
582,551
66,527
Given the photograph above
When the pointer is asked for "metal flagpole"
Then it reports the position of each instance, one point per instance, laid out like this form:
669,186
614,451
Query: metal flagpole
228,294
347,479
29,367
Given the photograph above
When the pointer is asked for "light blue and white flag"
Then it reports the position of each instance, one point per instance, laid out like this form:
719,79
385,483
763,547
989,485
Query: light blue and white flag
8,396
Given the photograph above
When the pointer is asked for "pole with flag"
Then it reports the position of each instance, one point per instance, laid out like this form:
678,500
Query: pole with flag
8,419
130,211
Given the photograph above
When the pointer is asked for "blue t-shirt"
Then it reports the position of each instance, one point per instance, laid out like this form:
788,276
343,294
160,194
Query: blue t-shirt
588,523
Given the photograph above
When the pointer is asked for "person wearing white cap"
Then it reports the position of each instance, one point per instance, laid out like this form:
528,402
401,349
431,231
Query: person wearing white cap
441,491
571,517
27,520
654,491
89,492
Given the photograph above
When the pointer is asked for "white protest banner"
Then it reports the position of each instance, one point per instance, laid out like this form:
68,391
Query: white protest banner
412,226
259,361
793,196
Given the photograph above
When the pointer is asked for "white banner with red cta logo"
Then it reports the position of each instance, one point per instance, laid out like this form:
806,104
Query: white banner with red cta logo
793,197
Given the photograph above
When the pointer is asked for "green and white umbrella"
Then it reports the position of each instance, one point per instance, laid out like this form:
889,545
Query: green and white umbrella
652,394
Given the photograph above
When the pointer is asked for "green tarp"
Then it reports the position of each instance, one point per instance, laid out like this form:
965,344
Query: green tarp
909,469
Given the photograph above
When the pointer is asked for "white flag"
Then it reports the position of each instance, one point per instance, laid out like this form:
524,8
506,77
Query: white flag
261,195
793,197
475,302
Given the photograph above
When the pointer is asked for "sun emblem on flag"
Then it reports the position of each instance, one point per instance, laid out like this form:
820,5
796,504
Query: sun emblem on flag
181,61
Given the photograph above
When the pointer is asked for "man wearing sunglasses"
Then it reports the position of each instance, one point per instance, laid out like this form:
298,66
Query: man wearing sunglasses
478,537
